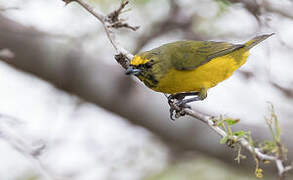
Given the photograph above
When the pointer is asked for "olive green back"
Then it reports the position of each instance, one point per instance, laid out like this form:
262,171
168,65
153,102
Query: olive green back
188,55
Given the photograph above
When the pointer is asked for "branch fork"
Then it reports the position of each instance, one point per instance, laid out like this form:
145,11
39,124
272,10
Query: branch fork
116,22
110,22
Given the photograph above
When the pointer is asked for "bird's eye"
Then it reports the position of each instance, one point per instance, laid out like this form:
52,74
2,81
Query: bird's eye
148,64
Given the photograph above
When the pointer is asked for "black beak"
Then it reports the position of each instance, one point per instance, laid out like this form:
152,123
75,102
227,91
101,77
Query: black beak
132,71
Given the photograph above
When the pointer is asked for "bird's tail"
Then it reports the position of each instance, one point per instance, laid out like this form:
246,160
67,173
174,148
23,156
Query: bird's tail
251,43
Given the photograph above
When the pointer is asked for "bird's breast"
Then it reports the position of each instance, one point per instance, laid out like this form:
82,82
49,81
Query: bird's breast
204,76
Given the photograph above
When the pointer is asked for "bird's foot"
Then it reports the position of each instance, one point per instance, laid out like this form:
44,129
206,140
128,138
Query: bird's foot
177,107
177,102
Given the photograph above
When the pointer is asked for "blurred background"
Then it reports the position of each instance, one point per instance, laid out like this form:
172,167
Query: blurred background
68,112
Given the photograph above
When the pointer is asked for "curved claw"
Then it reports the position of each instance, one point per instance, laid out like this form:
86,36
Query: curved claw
171,113
171,104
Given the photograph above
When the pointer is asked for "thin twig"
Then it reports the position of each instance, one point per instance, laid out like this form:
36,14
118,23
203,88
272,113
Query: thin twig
282,169
109,22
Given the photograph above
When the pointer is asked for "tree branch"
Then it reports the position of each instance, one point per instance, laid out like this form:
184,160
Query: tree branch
209,120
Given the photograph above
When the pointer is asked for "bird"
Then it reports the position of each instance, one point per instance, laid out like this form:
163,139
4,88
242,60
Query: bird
190,68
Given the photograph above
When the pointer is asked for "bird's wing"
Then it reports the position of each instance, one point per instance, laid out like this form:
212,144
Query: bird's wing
188,55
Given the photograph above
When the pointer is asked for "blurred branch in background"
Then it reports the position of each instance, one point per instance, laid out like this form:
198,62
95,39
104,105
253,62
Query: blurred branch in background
23,145
288,92
8,8
258,8
175,19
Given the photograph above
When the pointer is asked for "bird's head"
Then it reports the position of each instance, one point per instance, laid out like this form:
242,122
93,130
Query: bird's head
145,68
139,66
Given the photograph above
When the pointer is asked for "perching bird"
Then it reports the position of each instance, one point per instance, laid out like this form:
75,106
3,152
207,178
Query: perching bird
185,68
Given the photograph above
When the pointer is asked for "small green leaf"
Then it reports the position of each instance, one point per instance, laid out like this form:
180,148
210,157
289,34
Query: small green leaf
240,134
231,122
